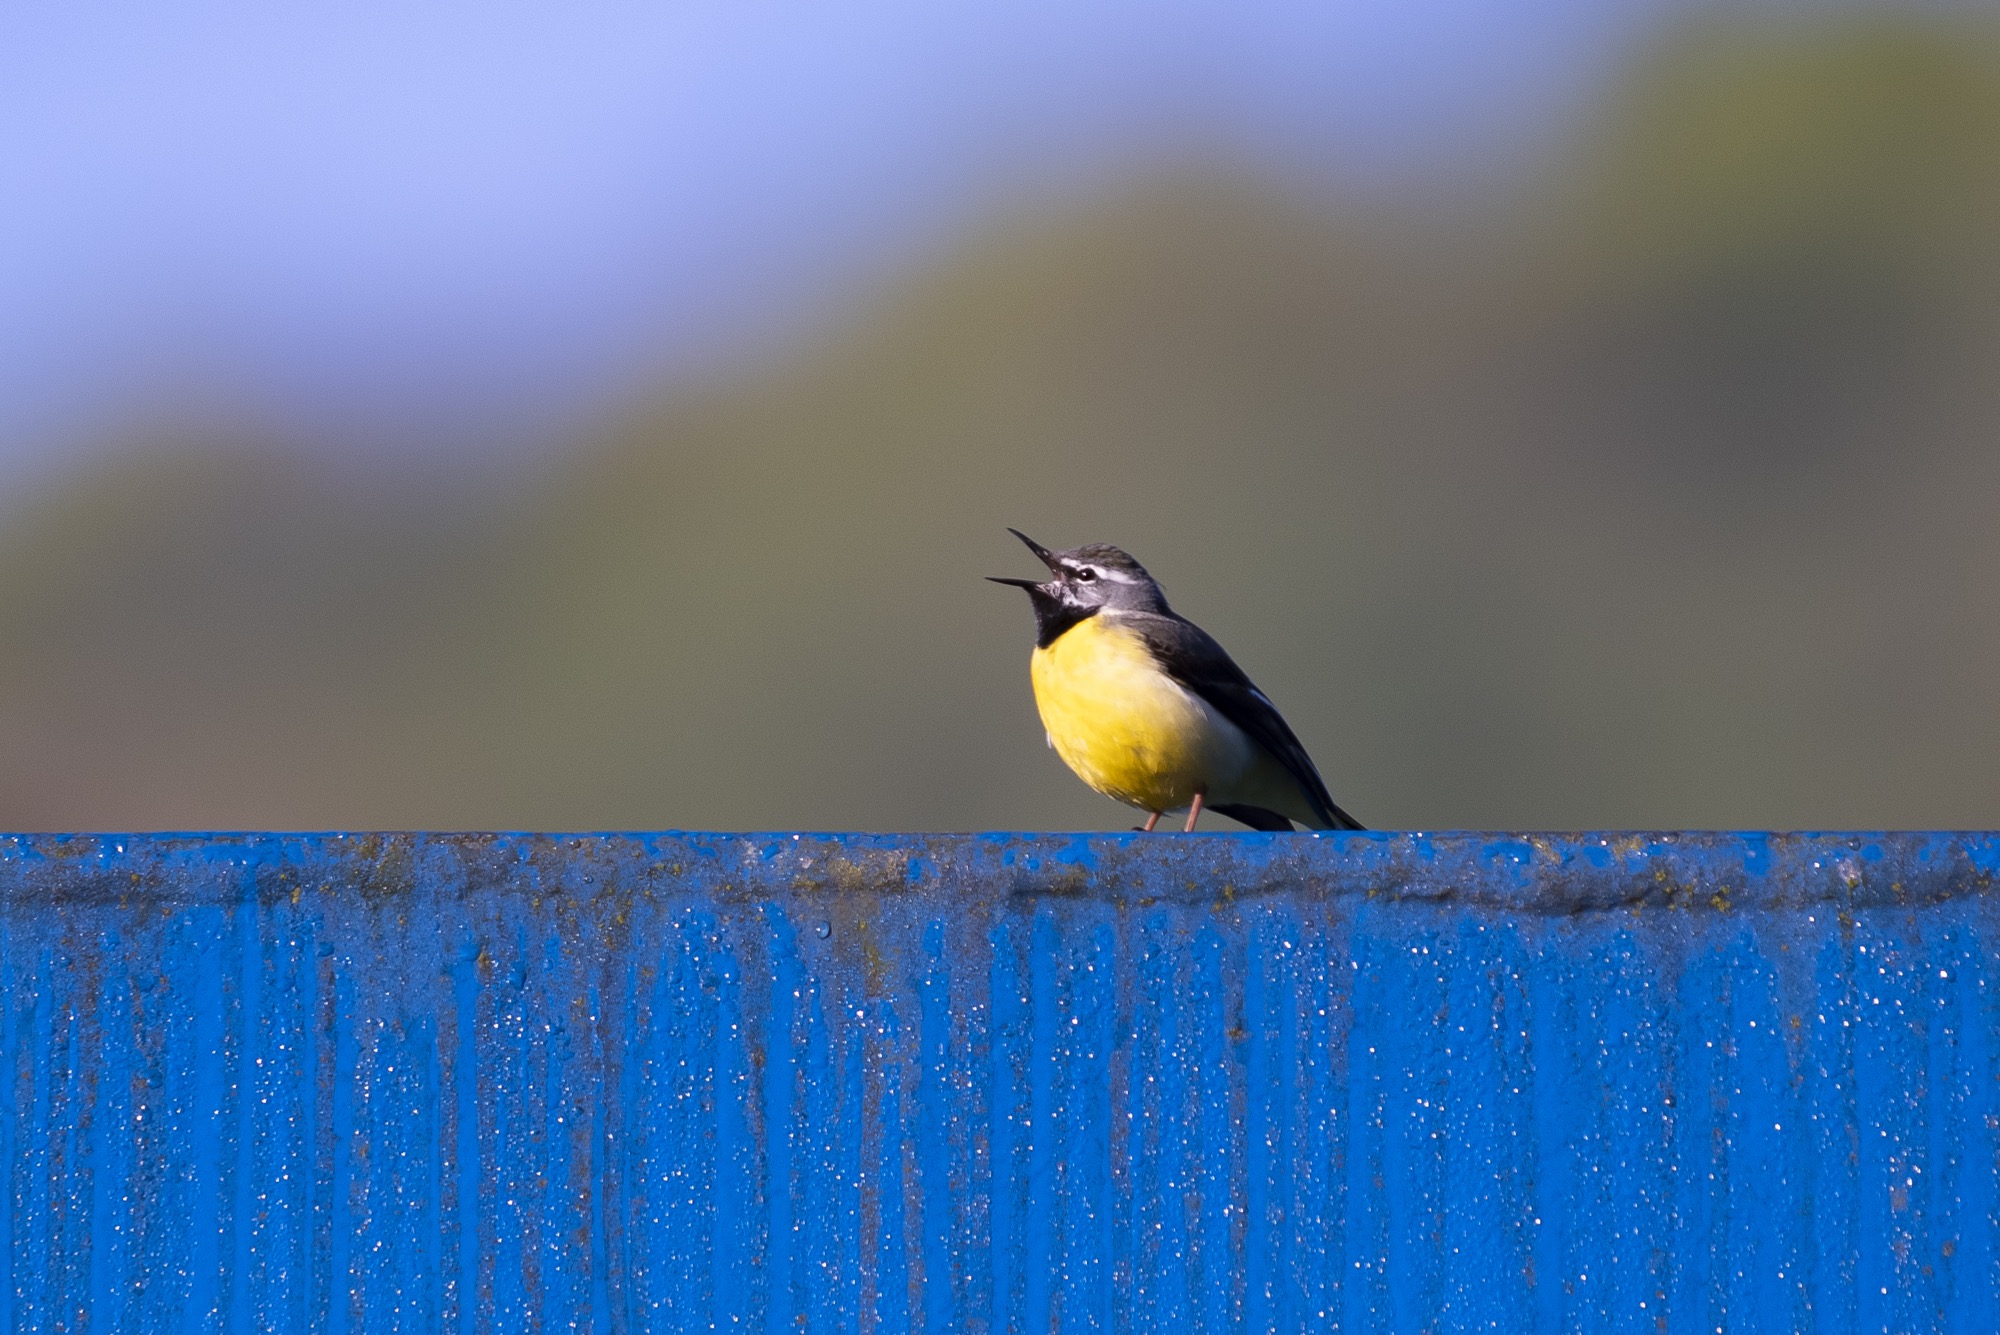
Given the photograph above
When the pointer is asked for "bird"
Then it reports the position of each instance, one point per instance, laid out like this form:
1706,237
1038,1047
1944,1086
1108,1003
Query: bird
1148,709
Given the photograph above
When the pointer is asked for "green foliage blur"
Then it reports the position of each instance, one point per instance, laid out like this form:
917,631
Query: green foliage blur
1663,491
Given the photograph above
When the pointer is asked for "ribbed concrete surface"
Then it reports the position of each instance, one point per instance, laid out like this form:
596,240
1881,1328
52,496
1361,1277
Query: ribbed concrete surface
1000,1083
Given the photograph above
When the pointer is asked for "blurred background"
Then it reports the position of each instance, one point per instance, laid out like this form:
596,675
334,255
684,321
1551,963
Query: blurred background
1574,413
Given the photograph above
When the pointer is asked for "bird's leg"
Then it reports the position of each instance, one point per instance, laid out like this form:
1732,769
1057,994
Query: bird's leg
1151,821
1194,814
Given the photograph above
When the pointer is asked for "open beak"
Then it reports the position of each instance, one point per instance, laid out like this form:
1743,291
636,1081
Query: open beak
1043,554
1047,558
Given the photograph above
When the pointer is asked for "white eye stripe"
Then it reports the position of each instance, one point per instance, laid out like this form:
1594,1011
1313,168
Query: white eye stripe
1103,572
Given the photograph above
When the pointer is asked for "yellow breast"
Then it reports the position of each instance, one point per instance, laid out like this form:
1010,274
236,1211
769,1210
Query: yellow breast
1126,728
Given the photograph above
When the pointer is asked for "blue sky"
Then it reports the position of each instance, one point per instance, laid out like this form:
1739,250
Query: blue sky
440,221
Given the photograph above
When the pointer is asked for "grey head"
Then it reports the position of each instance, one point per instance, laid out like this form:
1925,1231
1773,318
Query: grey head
1083,582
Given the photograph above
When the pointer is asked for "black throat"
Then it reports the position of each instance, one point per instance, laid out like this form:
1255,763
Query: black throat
1054,617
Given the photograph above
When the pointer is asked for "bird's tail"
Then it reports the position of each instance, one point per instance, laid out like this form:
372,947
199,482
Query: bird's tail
1332,818
1257,818
1263,818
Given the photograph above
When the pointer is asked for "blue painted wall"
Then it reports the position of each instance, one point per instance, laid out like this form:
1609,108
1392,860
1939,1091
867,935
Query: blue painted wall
999,1083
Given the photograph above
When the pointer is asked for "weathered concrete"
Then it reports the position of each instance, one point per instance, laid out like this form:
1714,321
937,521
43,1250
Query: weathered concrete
776,1082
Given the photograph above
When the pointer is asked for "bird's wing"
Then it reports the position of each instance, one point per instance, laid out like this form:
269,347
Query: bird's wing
1191,657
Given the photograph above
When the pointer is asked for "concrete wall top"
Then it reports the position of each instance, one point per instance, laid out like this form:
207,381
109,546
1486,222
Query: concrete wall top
1531,872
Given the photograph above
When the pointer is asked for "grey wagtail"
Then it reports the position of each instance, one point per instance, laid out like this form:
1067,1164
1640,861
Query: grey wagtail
1147,708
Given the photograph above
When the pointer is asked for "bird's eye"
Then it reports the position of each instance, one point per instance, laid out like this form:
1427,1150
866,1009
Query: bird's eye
1085,574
